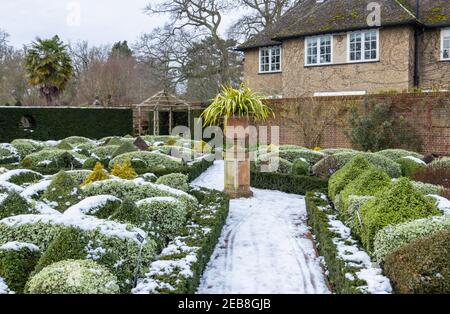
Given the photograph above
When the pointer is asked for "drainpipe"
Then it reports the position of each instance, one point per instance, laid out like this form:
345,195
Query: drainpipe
417,32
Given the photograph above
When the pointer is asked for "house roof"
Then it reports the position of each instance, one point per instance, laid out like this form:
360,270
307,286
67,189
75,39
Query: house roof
311,17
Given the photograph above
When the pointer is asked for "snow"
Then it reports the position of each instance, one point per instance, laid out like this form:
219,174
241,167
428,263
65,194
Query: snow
87,223
442,203
265,246
34,189
4,287
11,187
90,205
415,159
17,246
157,199
12,173
348,251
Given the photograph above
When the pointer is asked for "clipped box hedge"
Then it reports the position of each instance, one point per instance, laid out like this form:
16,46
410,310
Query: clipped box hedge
350,270
59,123
287,183
180,265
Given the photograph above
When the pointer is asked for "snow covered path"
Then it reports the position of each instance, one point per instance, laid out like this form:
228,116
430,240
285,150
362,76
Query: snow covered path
264,246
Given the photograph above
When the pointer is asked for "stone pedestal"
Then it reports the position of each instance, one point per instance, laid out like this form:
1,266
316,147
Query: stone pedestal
237,160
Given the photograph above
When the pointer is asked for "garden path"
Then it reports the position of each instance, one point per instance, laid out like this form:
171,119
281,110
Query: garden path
265,246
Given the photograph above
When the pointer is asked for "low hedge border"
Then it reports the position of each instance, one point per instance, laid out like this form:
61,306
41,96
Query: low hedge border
287,183
350,270
179,267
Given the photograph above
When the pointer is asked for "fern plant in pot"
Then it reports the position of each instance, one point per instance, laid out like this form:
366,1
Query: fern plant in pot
237,107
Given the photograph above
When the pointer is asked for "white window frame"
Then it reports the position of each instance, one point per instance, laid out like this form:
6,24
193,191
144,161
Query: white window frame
270,49
363,50
445,32
317,38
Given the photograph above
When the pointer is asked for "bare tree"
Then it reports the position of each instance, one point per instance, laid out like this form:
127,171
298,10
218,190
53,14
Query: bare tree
262,14
199,18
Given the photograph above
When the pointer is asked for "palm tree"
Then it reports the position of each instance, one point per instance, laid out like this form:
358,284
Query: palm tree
49,67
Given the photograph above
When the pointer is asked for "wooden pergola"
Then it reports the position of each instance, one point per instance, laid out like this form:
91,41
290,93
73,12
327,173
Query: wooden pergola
163,102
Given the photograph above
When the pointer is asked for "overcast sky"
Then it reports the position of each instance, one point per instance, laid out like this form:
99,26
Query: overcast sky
98,21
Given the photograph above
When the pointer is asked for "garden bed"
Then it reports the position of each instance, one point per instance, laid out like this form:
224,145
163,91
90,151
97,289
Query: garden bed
133,209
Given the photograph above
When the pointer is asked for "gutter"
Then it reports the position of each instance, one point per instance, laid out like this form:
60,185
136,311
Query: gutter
418,31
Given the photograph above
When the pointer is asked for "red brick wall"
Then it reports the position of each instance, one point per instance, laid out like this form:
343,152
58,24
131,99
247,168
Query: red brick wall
428,112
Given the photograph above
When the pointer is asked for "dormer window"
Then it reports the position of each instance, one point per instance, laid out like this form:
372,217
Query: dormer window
270,59
445,45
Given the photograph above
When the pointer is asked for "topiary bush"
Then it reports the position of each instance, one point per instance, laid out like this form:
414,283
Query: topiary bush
53,161
17,261
368,183
164,215
14,204
300,167
421,267
443,162
104,152
392,238
116,246
70,243
427,188
76,140
410,166
100,206
326,167
291,155
396,154
144,162
334,151
73,277
64,146
137,190
177,181
79,175
339,180
62,193
355,202
124,170
128,212
273,164
8,154
127,147
21,176
26,147
98,174
400,203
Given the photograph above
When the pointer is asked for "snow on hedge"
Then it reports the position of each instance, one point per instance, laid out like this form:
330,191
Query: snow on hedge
17,246
86,223
12,173
442,203
11,187
35,189
415,159
90,205
4,287
349,251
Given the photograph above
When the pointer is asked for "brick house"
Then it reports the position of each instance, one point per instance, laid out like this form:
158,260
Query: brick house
334,47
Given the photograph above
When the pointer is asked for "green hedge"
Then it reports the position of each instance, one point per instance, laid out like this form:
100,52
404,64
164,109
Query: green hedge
59,123
343,272
194,241
287,183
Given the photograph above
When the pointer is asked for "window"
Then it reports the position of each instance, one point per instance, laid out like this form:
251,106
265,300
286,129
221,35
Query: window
363,46
445,44
319,50
270,59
